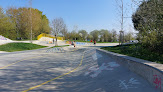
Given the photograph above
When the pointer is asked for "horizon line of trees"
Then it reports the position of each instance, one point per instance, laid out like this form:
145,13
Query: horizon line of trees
102,35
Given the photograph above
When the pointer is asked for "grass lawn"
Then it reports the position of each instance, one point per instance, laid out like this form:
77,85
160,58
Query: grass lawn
11,47
60,46
136,50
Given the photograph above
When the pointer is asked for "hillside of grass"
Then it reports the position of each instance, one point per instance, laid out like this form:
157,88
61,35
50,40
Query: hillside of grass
136,50
11,47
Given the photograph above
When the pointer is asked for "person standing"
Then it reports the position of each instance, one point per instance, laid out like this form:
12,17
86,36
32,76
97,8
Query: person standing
53,40
94,42
74,44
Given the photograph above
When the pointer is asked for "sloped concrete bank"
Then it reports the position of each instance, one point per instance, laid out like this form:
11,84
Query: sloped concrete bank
151,71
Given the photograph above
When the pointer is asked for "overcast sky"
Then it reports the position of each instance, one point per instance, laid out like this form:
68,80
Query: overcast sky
86,14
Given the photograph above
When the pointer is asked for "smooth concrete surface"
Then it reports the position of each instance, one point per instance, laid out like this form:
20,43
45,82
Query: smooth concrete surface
151,71
95,72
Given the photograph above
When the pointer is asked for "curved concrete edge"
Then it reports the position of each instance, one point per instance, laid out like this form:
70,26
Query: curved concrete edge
150,71
67,48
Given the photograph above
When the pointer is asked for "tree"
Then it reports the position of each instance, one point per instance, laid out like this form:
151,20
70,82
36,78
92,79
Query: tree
83,34
64,31
58,25
89,37
95,34
21,18
74,35
44,28
148,22
68,36
128,36
120,5
6,26
104,35
114,35
75,29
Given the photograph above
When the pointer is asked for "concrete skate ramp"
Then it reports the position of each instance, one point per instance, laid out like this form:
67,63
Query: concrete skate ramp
4,40
150,71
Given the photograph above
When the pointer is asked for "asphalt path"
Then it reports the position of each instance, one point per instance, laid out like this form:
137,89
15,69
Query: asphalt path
75,70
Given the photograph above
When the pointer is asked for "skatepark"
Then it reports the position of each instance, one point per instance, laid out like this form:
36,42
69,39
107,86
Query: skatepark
85,68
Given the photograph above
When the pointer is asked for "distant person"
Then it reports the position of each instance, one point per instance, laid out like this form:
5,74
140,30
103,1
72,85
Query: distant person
94,42
91,40
74,44
53,40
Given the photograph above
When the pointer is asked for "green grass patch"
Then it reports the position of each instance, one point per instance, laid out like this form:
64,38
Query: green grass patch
11,47
60,46
136,50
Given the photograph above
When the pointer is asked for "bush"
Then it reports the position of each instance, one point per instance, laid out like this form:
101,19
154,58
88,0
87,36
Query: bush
137,50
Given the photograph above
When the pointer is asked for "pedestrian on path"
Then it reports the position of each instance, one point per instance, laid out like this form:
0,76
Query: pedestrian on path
74,44
53,40
94,42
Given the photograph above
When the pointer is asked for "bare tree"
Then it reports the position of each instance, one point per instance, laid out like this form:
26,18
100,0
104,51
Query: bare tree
114,34
75,29
64,31
121,11
58,25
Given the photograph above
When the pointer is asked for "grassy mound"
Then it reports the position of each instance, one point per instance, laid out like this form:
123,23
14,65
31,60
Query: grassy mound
136,50
11,47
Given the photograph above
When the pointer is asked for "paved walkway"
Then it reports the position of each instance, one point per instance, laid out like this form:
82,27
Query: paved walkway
78,70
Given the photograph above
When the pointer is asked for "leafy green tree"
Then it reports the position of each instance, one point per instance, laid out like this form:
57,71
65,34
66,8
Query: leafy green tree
114,35
74,35
83,34
44,28
89,37
128,36
6,26
24,20
104,35
95,34
68,36
148,21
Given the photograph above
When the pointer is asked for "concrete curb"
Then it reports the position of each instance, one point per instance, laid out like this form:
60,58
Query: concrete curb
150,71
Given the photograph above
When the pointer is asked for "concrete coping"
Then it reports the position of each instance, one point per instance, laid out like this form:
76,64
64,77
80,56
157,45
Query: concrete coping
154,65
150,71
